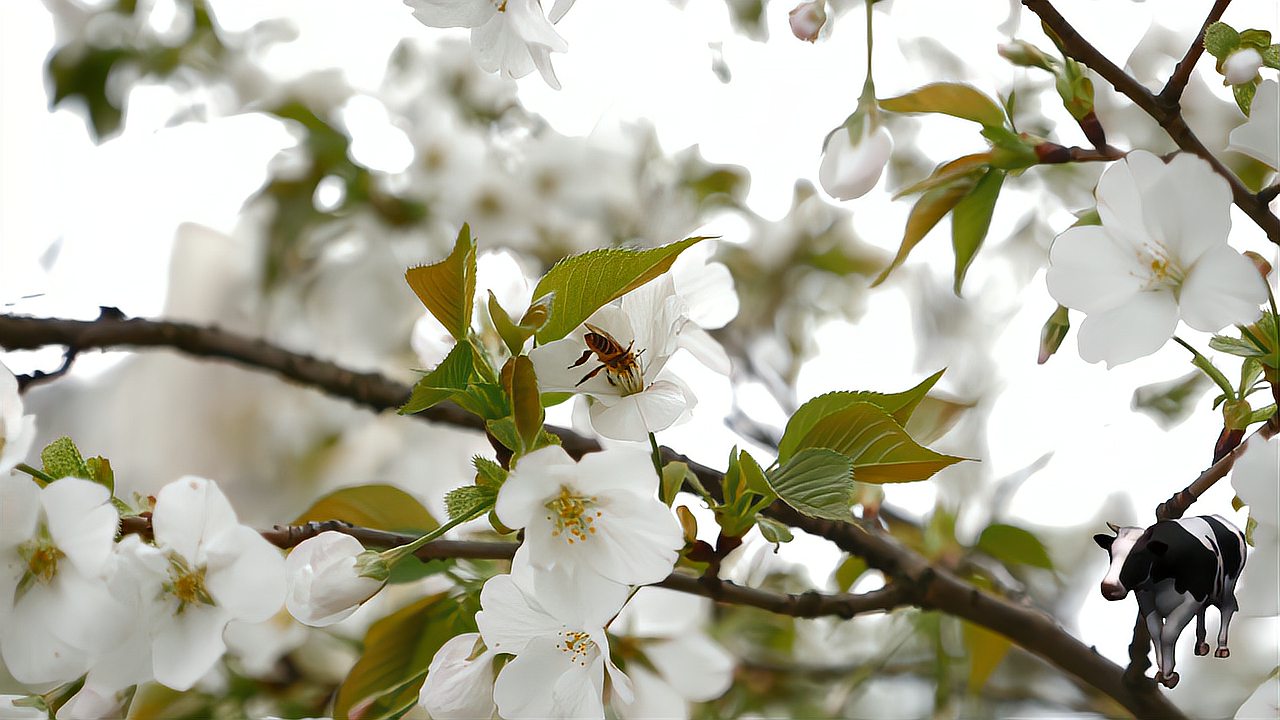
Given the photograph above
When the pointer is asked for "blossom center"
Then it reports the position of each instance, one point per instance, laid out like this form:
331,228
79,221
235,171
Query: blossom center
187,584
573,516
577,645
1165,272
41,557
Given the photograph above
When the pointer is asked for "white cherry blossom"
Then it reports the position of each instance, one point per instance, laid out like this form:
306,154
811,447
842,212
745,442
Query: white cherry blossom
1160,254
558,639
324,583
599,515
1254,478
204,570
508,36
650,323
459,684
1259,137
55,612
850,168
17,431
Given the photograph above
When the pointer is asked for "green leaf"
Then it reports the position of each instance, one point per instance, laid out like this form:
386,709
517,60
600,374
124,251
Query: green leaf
956,99
933,417
817,483
1256,39
673,477
900,405
1220,40
1208,368
1013,545
100,472
488,472
773,531
971,220
849,571
504,429
381,507
927,212
486,400
1171,401
987,649
449,378
525,403
448,287
584,283
396,652
1271,57
469,501
513,336
62,459
881,451
1234,346
752,475
1262,414
1244,96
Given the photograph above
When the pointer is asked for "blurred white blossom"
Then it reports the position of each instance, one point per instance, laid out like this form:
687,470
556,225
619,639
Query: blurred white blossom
1160,254
17,431
1255,480
508,36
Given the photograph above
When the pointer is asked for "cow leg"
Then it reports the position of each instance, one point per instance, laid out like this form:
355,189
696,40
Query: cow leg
1202,647
1225,611
1147,606
1173,626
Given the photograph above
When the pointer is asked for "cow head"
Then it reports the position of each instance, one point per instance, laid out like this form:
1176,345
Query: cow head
1132,553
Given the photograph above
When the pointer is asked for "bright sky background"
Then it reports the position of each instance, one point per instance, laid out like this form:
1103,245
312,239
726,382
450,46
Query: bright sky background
115,206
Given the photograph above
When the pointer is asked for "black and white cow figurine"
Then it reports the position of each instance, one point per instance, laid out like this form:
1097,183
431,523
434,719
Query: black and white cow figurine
1176,568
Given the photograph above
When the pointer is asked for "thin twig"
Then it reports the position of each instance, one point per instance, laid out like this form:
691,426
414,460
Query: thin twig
1172,92
915,578
1168,115
38,377
1177,504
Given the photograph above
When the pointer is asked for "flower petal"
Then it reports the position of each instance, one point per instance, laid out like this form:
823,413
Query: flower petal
639,539
623,468
1090,271
189,512
1254,477
452,13
535,480
633,417
1189,208
459,687
509,619
187,645
654,698
695,665
1130,331
81,522
1221,289
245,574
19,511
705,348
849,170
542,681
1259,138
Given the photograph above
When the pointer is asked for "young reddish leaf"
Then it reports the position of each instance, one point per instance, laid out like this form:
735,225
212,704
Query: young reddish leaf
525,402
448,287
928,210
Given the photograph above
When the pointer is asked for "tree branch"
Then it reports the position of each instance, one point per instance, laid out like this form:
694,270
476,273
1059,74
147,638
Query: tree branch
913,578
1172,91
1164,110
1177,504
803,605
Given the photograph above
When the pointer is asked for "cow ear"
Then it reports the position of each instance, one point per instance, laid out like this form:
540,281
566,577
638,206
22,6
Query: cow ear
1104,541
1158,547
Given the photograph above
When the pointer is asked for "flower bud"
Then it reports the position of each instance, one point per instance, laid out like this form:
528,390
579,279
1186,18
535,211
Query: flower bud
325,584
1242,66
850,169
459,680
1024,54
807,19
1053,333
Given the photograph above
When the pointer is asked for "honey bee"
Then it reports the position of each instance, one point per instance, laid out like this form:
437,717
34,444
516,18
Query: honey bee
621,365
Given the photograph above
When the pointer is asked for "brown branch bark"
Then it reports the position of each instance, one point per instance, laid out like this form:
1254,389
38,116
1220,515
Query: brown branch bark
803,605
1177,504
1163,109
912,578
1172,91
